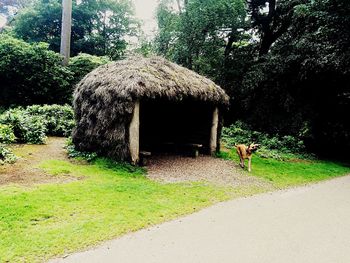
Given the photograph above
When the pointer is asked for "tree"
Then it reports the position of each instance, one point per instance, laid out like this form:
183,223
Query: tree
200,33
8,7
66,29
287,72
271,18
99,27
302,83
32,74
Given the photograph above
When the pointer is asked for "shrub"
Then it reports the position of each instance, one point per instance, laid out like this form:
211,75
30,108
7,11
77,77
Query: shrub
277,147
33,123
31,74
73,153
58,119
6,134
26,128
85,63
6,155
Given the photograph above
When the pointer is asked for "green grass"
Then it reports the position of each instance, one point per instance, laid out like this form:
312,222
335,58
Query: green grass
40,222
297,172
107,200
292,171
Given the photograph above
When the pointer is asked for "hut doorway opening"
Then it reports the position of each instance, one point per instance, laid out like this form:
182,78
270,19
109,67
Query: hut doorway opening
176,127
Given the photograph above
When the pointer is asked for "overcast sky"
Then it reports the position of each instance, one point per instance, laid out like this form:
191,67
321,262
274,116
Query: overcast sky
145,10
2,21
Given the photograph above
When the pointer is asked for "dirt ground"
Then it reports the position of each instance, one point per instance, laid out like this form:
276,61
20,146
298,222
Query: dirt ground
167,169
203,168
26,172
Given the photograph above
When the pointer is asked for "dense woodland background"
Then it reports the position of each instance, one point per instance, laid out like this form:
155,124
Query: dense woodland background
285,64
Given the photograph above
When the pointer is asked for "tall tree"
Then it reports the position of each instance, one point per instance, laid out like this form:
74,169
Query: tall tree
271,18
201,35
99,27
302,83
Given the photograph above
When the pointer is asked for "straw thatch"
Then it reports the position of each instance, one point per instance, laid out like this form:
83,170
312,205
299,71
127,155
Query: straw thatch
105,98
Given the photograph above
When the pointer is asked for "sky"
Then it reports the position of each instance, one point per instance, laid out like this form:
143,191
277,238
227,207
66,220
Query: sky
145,10
2,21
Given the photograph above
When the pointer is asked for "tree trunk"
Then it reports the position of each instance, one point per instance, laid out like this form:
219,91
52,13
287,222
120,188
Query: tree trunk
179,6
266,42
228,46
66,30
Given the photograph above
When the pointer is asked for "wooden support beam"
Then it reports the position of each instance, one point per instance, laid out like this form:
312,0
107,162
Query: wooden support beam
134,134
214,131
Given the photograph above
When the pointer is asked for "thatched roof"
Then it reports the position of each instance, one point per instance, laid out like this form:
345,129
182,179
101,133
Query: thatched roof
138,77
104,100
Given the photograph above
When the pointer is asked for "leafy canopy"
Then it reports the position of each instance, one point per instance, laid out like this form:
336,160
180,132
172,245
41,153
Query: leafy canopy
99,27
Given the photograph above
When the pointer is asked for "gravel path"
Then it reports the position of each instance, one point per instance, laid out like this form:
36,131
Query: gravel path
171,169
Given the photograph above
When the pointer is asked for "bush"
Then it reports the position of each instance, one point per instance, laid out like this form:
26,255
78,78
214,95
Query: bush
59,120
26,128
6,155
32,124
276,147
6,134
32,74
73,153
85,63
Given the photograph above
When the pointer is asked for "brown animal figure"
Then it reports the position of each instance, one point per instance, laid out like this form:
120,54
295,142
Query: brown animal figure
245,152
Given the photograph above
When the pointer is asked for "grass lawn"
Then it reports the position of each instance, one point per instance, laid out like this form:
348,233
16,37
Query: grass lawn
293,171
43,221
107,200
297,172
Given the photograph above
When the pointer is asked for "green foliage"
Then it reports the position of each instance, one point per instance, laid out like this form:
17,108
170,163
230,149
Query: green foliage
32,124
201,36
298,87
73,153
145,48
6,155
26,128
6,134
8,7
271,19
284,64
58,119
83,64
98,27
31,74
130,170
277,147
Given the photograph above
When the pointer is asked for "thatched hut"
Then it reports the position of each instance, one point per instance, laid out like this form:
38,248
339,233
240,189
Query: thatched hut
146,104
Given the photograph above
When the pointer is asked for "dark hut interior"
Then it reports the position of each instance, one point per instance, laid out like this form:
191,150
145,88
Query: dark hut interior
174,127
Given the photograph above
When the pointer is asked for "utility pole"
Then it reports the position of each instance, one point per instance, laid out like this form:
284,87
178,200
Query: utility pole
66,30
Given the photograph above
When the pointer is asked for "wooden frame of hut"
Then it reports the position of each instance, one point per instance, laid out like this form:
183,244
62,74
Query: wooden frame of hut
146,104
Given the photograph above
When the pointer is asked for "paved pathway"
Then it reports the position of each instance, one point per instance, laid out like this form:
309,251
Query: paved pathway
303,225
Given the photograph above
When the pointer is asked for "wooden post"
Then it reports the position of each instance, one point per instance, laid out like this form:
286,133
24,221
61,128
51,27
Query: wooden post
66,30
134,134
214,131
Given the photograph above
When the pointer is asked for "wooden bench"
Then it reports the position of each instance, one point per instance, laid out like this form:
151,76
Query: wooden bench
194,149
144,156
